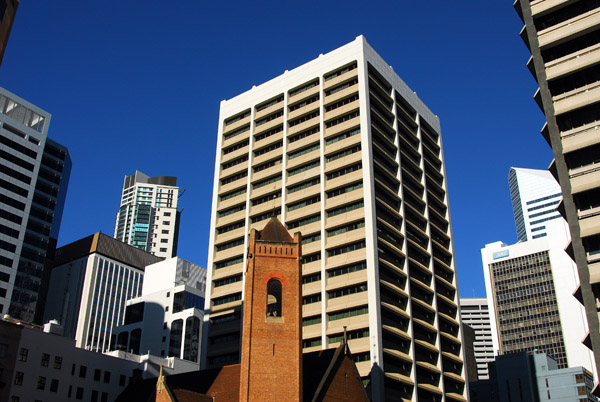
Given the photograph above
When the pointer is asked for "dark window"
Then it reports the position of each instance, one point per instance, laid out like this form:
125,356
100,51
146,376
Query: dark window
23,354
175,339
104,397
54,385
94,397
57,362
82,371
97,374
122,380
45,359
274,298
41,383
79,393
18,378
107,377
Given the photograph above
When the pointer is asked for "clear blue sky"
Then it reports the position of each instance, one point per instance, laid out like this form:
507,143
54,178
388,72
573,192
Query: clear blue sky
137,85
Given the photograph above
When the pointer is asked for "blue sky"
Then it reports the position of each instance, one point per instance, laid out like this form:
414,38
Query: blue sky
137,85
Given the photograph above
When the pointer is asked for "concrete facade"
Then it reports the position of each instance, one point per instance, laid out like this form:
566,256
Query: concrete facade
166,320
563,37
343,151
530,288
8,11
475,313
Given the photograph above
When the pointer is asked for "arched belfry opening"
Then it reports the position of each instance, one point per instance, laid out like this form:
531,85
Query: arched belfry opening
274,298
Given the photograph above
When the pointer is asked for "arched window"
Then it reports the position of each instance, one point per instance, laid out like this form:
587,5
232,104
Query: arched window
274,298
122,340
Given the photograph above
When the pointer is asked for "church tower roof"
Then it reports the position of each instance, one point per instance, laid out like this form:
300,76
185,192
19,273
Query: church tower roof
274,231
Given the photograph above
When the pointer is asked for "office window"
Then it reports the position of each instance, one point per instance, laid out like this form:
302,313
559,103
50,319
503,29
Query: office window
79,393
57,362
18,378
41,383
94,397
82,371
164,240
163,249
54,385
107,377
104,397
97,374
167,214
45,359
23,354
122,379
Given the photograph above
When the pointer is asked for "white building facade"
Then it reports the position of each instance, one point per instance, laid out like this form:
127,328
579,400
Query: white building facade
475,313
166,320
530,290
562,385
535,195
342,150
34,175
148,217
41,366
90,285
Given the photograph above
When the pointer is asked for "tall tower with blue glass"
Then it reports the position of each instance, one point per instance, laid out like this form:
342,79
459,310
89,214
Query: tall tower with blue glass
148,217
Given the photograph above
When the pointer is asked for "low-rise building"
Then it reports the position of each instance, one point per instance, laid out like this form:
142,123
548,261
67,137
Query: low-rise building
533,377
38,364
166,320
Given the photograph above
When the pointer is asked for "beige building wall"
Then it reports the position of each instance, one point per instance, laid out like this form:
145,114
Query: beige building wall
343,151
564,40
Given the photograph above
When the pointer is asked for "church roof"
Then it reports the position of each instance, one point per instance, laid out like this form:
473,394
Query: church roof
274,231
222,384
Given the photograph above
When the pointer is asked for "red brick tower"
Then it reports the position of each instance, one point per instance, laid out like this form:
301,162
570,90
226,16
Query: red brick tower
271,366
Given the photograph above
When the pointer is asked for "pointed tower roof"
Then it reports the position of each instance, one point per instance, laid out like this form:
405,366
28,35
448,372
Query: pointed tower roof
276,232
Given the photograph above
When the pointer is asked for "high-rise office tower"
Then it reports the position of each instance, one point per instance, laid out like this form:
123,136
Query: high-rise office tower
34,174
564,40
148,217
530,285
8,11
535,197
343,151
530,296
475,313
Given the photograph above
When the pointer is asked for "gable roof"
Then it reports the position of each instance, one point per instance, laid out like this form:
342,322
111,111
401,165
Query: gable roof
223,384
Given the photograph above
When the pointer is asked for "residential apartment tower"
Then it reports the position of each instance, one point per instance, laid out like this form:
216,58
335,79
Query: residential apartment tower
148,217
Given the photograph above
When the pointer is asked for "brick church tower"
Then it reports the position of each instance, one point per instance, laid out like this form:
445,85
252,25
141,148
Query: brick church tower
271,363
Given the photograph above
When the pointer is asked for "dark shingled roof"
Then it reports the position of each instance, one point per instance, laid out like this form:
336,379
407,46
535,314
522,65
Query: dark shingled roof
223,383
274,231
198,382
